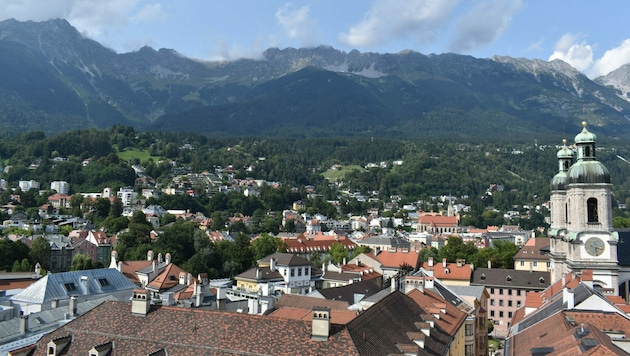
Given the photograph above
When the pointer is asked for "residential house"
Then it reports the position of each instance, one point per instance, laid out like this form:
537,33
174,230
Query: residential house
59,200
458,273
507,289
306,244
60,187
54,287
571,317
285,272
127,196
534,256
351,293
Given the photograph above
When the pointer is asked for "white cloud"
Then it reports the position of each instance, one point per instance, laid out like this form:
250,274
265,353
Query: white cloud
535,46
91,17
611,60
150,13
578,54
388,20
297,23
483,24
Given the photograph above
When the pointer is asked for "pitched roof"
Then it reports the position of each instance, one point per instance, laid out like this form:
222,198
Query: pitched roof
66,284
339,316
168,278
399,257
532,249
394,321
451,318
284,259
511,278
451,271
560,334
183,331
347,293
129,268
438,220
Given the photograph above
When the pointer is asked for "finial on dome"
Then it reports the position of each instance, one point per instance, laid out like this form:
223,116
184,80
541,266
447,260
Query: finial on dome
584,124
564,141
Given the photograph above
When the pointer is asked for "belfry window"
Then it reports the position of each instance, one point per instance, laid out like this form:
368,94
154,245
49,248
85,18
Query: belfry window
591,206
587,151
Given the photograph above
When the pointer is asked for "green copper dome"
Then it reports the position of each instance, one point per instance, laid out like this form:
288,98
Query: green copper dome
565,152
559,181
588,172
585,136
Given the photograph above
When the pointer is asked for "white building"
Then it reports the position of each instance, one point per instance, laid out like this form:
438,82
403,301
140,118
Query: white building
26,185
60,187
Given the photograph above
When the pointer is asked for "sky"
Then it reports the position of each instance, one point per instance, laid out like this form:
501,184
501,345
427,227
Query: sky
592,36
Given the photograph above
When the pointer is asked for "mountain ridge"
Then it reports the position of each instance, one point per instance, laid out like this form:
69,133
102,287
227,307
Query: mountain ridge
317,91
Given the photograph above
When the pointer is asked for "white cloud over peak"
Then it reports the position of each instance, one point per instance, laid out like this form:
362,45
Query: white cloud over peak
570,49
611,60
150,13
483,24
387,20
297,23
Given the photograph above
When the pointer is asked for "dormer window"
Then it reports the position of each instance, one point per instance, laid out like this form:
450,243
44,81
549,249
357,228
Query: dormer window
541,280
509,278
483,276
103,282
70,287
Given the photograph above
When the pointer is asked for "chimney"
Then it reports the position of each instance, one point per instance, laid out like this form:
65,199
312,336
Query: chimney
320,329
358,263
120,268
198,295
430,261
188,279
259,273
160,257
568,297
324,267
168,258
461,262
444,262
54,304
140,302
153,265
182,277
85,281
489,264
38,269
24,324
344,261
114,260
73,305
150,255
272,264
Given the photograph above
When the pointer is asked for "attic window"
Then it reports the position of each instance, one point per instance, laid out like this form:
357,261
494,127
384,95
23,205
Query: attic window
103,282
483,276
447,271
541,280
70,287
509,278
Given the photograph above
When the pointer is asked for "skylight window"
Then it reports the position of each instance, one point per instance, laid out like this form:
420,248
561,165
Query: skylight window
70,287
103,282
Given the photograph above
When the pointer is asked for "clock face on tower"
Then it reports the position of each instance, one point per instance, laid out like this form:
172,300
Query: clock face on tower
594,246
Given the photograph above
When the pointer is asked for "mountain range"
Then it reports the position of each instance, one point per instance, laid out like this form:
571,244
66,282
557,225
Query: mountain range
55,80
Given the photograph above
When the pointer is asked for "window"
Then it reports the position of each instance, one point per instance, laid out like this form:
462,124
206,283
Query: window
518,292
491,301
518,303
469,329
535,263
500,302
548,264
509,303
500,314
491,290
299,271
292,272
501,291
510,315
70,287
509,292
522,263
103,282
591,205
492,313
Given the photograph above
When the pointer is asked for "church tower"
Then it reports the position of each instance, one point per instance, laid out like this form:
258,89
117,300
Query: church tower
581,216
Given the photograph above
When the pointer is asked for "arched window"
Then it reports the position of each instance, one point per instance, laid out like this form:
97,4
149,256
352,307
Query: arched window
591,206
587,151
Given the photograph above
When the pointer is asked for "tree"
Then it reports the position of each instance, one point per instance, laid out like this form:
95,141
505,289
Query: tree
40,252
81,262
266,245
455,249
359,250
338,252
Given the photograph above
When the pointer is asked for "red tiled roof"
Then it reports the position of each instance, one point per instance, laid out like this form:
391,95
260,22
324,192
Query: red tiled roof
168,278
450,320
398,258
307,245
129,269
339,316
438,220
451,271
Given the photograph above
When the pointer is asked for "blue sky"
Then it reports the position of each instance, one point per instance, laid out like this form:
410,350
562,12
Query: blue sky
592,36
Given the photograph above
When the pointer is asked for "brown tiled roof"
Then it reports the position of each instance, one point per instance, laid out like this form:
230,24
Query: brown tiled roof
511,278
303,244
379,329
129,269
7,284
181,331
168,278
450,320
304,302
531,250
563,335
284,259
265,273
438,220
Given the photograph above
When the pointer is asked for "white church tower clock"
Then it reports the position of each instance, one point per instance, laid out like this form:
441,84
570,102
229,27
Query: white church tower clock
581,216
